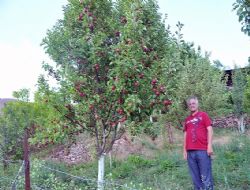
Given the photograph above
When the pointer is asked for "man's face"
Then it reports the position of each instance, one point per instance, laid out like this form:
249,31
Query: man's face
193,105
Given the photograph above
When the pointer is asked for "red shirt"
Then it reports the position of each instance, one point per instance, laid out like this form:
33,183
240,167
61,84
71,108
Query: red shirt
196,131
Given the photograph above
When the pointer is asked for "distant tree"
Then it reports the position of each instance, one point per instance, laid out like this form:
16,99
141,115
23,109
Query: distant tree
15,118
22,95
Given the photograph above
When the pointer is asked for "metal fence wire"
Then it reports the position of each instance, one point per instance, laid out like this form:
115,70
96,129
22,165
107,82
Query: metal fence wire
44,177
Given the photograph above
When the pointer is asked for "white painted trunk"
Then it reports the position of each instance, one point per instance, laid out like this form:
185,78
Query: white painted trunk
241,124
151,119
100,182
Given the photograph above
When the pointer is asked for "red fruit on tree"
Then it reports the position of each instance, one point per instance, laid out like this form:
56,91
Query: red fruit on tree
155,90
91,106
154,82
124,91
86,9
113,124
78,88
141,75
120,101
90,14
167,102
122,119
117,33
80,17
97,67
162,89
145,49
157,93
136,83
120,111
91,27
82,94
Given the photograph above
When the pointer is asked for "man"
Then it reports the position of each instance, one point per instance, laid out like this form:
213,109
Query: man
197,146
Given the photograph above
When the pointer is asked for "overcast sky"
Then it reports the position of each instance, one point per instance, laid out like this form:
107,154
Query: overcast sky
208,23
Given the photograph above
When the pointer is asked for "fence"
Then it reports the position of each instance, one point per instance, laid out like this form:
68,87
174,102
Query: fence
44,177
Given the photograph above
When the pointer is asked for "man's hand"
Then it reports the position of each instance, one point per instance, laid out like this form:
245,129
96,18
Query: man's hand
185,154
209,150
184,146
210,137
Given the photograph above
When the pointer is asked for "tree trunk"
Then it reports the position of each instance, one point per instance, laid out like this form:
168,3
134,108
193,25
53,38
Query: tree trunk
170,134
241,124
164,135
151,119
101,164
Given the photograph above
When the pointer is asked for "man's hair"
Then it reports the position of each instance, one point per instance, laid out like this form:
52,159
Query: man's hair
192,98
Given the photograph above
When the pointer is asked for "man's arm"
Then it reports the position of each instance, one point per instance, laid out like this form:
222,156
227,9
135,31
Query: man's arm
209,138
184,146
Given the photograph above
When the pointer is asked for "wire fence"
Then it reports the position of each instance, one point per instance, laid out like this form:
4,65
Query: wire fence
45,177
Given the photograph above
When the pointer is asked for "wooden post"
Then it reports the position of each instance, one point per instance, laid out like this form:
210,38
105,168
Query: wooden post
26,159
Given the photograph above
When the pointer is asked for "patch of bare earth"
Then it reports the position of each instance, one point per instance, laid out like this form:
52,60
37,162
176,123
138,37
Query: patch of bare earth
84,148
222,140
79,152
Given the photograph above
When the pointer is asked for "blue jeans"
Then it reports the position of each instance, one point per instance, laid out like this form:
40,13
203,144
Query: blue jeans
200,169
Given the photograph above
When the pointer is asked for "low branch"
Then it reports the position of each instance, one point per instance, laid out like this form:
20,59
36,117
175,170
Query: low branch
74,122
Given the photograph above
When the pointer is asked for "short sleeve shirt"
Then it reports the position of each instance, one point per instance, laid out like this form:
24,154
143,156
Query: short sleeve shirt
196,131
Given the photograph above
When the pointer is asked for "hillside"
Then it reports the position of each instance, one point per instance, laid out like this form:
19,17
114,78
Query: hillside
82,150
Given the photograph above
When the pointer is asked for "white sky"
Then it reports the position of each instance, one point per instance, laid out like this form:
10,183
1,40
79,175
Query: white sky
208,23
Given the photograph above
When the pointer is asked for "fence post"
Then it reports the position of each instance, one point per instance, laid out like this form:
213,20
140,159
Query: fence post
13,187
26,159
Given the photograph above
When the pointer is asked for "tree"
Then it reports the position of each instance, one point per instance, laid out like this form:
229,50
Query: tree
239,85
242,8
108,68
246,98
191,73
16,117
218,64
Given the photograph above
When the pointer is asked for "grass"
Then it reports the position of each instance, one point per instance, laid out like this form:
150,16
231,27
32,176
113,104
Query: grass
166,170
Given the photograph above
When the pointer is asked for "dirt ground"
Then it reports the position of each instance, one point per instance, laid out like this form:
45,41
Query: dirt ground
83,150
